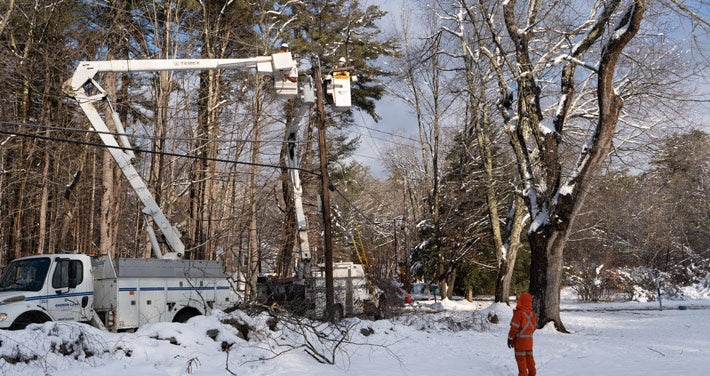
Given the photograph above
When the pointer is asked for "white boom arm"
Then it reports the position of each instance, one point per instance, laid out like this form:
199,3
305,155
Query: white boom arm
117,142
86,70
303,262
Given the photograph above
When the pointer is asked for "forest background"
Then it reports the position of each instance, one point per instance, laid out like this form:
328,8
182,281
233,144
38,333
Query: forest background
541,145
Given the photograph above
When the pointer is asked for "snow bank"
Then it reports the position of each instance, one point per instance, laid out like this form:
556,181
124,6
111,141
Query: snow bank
700,290
452,337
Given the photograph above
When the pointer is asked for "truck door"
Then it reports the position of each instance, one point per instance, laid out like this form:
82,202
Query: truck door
71,295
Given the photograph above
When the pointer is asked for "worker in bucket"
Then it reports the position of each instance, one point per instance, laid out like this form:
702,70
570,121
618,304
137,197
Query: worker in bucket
339,71
520,335
292,74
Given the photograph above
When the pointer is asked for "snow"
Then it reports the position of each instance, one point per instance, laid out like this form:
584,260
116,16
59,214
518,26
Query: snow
430,337
546,128
566,189
542,218
625,21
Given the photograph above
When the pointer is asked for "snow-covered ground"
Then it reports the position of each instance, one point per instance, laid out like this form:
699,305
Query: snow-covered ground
430,338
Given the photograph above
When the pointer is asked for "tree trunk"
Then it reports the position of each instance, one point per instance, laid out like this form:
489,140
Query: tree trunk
4,204
546,276
451,282
44,224
108,224
17,238
254,254
252,250
67,213
204,167
203,191
548,241
6,17
285,261
511,238
24,103
42,229
162,86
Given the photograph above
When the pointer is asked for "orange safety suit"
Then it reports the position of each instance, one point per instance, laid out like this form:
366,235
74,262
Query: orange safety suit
520,335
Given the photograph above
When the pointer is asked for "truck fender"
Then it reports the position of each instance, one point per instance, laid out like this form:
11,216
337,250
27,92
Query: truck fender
29,317
185,314
22,312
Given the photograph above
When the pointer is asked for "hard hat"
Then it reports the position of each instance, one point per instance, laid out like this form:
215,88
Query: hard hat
342,60
284,45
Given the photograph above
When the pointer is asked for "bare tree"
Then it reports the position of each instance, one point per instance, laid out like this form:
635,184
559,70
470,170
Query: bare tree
222,27
6,15
538,42
481,68
422,71
552,200
165,25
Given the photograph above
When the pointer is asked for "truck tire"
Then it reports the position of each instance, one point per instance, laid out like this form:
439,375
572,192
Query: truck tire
186,314
27,318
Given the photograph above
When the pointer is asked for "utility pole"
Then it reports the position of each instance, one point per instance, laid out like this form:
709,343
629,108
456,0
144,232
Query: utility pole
396,259
325,196
407,256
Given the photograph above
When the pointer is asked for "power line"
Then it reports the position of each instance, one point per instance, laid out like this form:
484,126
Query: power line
376,147
194,157
352,205
391,134
138,136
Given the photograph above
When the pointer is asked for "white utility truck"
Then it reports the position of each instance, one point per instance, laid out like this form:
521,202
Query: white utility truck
114,294
351,290
123,294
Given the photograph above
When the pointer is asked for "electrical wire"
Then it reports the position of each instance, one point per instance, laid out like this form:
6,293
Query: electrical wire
347,201
143,137
391,134
194,157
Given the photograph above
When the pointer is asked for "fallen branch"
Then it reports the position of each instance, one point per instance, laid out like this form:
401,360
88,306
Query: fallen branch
654,350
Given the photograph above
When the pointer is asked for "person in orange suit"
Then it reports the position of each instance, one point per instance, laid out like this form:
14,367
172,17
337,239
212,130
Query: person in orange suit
520,335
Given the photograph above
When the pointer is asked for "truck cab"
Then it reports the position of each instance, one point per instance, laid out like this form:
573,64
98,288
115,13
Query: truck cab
43,288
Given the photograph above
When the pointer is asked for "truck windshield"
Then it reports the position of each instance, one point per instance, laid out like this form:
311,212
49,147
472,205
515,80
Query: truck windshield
25,275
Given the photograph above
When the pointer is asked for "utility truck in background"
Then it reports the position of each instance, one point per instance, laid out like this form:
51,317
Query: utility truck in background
353,293
304,292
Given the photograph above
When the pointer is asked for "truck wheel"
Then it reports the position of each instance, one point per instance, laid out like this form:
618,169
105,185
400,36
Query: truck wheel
27,318
186,314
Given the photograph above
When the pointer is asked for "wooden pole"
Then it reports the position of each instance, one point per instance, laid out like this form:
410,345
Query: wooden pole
325,197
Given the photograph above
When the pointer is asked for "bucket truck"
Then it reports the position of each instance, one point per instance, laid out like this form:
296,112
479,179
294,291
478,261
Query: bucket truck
122,294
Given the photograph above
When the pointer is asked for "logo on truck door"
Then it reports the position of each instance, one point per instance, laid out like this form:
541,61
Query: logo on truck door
67,303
